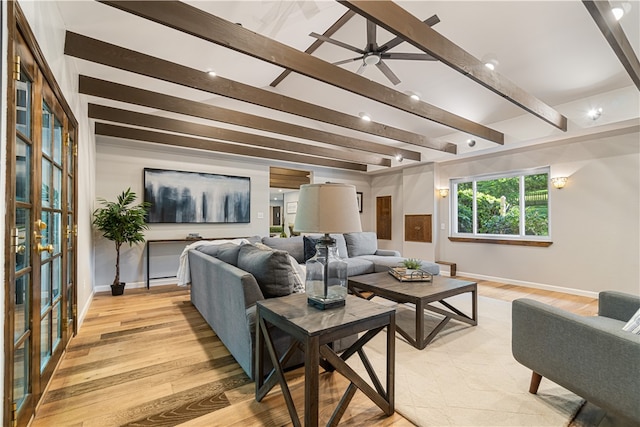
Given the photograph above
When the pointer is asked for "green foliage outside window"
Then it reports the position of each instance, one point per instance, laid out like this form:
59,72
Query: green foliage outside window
498,206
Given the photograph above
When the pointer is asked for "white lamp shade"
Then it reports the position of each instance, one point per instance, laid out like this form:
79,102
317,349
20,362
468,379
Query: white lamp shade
327,208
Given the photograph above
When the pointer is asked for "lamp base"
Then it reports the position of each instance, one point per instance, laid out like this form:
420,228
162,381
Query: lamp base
324,305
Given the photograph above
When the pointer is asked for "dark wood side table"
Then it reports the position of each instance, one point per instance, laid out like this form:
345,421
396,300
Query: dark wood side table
314,331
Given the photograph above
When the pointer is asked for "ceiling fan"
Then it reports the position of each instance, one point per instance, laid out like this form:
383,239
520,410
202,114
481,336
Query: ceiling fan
373,54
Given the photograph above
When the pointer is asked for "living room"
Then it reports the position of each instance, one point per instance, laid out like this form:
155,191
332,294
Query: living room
594,226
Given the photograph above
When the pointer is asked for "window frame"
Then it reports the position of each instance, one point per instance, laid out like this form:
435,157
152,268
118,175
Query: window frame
498,238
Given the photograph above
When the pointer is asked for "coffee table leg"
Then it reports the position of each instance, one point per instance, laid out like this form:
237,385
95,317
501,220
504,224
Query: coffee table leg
311,381
391,362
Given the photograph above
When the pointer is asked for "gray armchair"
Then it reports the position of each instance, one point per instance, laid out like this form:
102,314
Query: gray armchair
589,355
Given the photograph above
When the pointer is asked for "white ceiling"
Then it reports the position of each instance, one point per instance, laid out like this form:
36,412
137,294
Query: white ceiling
551,49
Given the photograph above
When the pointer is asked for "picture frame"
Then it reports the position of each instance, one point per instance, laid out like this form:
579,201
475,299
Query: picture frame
359,197
196,197
292,207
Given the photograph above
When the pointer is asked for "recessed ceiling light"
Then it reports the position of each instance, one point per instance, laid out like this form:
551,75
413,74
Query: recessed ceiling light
595,113
471,142
490,61
413,95
620,10
399,157
364,116
212,73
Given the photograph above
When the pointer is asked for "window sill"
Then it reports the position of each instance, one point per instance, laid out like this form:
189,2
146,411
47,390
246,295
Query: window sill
535,243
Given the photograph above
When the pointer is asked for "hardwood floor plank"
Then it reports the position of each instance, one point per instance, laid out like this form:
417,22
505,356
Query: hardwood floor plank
148,358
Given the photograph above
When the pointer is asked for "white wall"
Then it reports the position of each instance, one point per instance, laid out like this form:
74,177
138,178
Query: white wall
120,165
594,220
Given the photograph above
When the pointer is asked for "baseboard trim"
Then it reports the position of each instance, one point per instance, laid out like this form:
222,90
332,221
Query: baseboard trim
534,285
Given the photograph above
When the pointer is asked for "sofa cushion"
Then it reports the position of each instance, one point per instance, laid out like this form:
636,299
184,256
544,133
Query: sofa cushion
293,245
228,253
364,243
340,243
358,266
271,268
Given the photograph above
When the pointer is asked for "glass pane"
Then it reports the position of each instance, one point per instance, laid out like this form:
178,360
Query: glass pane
57,141
23,105
56,277
70,304
45,290
57,187
46,183
22,306
497,201
536,205
23,248
465,207
56,232
23,171
57,325
21,372
69,232
46,129
46,233
45,341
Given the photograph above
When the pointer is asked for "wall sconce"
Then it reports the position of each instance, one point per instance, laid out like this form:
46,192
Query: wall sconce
444,192
559,182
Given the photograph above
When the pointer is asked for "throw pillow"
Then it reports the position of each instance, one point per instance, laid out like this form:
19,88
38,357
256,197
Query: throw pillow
228,253
364,243
633,325
271,269
309,247
298,276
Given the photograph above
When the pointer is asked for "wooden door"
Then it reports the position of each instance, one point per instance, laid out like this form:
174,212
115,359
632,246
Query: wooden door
383,217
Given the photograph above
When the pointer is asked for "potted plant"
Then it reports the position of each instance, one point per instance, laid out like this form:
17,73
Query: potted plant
121,222
412,264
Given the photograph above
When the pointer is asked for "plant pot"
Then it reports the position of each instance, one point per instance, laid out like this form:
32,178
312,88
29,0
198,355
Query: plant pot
117,289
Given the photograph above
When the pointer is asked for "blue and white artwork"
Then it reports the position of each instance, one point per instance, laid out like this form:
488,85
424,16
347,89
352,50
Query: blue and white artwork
188,197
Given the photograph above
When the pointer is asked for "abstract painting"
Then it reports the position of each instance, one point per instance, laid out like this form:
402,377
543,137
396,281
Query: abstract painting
194,197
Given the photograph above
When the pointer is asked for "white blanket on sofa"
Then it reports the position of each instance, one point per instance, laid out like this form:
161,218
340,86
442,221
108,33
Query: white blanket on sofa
184,274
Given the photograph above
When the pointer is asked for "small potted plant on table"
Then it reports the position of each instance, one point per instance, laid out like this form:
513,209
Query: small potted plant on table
121,223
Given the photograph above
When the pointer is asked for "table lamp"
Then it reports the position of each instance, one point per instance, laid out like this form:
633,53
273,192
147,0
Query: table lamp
327,208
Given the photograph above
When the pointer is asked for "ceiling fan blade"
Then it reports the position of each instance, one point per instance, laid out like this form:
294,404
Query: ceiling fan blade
371,35
360,70
431,21
388,73
409,56
344,61
337,43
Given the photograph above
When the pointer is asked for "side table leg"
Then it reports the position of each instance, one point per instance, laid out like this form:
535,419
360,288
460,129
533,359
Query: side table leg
311,381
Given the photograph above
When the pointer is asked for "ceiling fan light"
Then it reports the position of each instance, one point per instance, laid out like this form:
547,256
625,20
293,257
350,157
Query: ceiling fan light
371,59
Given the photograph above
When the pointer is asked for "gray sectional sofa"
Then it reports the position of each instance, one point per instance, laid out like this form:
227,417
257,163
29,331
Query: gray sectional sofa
227,280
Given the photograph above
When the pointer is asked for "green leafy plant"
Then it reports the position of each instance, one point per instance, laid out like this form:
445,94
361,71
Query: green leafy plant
412,263
121,222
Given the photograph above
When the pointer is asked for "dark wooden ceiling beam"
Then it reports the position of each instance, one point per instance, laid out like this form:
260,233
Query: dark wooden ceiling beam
194,21
317,43
106,129
401,23
132,95
114,56
129,117
612,30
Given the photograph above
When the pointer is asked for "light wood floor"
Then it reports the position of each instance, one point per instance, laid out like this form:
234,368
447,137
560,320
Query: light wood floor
149,359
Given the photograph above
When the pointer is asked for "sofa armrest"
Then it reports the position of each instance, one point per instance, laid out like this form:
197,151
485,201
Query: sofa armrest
387,252
617,305
591,355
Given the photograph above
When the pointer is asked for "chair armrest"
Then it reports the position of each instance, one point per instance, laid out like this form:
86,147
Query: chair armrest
617,305
387,252
591,356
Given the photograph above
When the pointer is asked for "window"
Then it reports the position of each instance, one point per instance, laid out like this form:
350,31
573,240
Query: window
507,206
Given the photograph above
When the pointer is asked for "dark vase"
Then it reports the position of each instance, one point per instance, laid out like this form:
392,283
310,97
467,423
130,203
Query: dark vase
117,289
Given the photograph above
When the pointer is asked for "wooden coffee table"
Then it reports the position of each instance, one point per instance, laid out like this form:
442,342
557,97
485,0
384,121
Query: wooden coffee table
422,294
